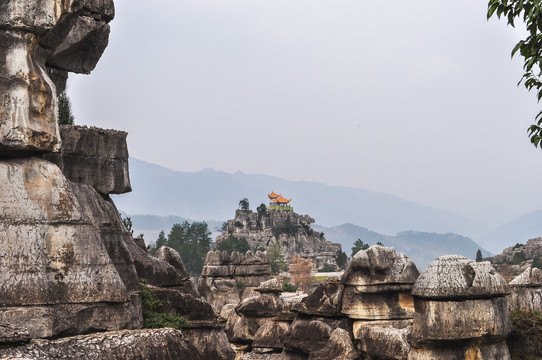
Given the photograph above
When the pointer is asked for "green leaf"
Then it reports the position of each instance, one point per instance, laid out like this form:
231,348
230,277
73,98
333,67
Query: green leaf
492,9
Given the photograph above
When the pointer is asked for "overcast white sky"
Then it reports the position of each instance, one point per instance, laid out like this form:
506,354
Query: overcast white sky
416,99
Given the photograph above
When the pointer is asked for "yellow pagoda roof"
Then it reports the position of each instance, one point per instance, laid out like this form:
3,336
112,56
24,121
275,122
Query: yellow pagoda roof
282,200
273,196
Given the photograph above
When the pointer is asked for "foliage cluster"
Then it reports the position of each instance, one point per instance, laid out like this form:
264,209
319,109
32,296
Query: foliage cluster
287,287
537,262
276,258
530,12
191,240
233,243
244,204
479,256
342,260
358,246
518,258
327,268
286,228
153,318
64,115
527,326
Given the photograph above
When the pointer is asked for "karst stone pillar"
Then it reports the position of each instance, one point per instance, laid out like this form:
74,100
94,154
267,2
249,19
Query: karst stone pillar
461,312
377,296
40,39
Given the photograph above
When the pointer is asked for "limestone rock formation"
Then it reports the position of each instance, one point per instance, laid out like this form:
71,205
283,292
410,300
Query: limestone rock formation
223,276
526,291
54,264
292,231
41,38
94,157
461,311
377,285
125,344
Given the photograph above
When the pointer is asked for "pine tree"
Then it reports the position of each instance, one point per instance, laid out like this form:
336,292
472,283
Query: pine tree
478,255
65,115
276,258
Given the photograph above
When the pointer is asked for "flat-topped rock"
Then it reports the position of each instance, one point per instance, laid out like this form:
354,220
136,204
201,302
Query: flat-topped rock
95,157
147,344
380,265
270,286
454,276
532,277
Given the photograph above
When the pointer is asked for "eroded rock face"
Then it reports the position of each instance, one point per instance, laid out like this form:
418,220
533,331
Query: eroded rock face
526,291
339,346
296,239
37,36
223,275
461,310
325,300
95,157
51,253
156,344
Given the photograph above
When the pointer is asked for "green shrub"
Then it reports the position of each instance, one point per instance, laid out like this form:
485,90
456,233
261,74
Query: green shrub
287,287
518,258
327,268
526,340
155,319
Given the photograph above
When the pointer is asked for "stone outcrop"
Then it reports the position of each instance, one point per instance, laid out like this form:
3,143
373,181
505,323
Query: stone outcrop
461,311
94,157
125,344
223,276
42,41
526,291
292,231
54,264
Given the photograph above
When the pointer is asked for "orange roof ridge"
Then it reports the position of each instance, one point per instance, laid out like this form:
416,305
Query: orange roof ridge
273,195
282,200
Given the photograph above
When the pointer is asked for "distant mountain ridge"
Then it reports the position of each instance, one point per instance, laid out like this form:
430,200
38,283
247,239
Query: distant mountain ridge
421,247
211,194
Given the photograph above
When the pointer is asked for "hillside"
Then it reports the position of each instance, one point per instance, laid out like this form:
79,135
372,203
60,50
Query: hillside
211,194
421,247
517,231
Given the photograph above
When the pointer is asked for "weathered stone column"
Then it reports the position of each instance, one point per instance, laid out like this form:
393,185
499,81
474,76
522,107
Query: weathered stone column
461,312
377,286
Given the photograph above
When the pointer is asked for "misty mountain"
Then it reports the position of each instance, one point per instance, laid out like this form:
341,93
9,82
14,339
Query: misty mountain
420,247
517,231
211,194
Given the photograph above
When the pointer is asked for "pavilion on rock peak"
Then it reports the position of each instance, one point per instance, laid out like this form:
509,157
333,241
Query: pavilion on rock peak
278,202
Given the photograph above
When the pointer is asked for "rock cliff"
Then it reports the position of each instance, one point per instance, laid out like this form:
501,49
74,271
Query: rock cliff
292,231
225,277
70,269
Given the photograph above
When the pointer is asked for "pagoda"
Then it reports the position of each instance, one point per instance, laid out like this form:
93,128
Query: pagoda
278,202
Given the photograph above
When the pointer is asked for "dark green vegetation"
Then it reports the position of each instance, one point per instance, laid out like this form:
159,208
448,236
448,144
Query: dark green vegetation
526,340
276,258
537,262
232,243
327,268
529,12
286,228
244,204
287,287
479,255
65,115
191,240
342,260
152,317
359,245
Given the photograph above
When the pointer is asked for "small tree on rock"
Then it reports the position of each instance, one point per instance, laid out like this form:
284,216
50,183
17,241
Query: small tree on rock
244,205
65,115
301,273
479,256
276,258
359,245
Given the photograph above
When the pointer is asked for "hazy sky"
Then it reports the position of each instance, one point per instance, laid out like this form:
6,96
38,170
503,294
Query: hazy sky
416,99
